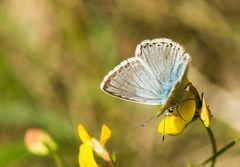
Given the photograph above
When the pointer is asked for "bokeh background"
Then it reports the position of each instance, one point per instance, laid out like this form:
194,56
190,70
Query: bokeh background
54,54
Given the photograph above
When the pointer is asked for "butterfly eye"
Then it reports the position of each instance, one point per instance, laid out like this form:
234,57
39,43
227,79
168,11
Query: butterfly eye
170,110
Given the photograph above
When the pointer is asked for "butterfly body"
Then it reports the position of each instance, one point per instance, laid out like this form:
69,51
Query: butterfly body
156,75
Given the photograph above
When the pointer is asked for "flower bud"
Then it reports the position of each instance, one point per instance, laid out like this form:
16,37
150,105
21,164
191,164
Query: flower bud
39,142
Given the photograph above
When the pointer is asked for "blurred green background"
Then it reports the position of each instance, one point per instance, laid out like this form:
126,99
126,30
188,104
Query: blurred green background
54,54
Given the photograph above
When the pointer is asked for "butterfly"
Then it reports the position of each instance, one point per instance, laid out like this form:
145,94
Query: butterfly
156,75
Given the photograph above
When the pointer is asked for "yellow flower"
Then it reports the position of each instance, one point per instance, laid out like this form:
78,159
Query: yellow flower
39,142
86,158
205,114
91,144
174,122
202,108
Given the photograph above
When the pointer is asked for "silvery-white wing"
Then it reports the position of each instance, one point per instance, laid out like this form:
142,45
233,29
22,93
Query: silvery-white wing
132,81
151,76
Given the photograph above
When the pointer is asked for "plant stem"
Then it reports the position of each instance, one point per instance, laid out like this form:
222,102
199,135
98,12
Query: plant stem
110,164
214,146
57,159
221,151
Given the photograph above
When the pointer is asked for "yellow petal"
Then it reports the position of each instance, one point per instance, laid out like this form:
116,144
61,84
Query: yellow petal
174,123
187,107
205,114
105,134
83,134
86,158
171,125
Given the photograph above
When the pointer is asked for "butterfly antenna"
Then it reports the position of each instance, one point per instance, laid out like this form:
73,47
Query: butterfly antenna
146,122
160,112
155,116
163,137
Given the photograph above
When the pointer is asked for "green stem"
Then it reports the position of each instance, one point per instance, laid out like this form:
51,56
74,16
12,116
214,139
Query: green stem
57,159
214,145
221,151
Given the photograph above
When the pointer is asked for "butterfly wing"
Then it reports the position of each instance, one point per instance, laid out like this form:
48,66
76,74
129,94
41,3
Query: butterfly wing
132,81
167,61
151,76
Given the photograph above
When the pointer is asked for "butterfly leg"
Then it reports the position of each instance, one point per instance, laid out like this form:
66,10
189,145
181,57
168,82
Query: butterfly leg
180,114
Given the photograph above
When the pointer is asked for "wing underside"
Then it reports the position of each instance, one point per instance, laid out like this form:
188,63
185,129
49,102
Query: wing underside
132,81
151,76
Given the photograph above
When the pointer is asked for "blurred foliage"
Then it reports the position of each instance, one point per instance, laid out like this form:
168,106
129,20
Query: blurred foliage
54,54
